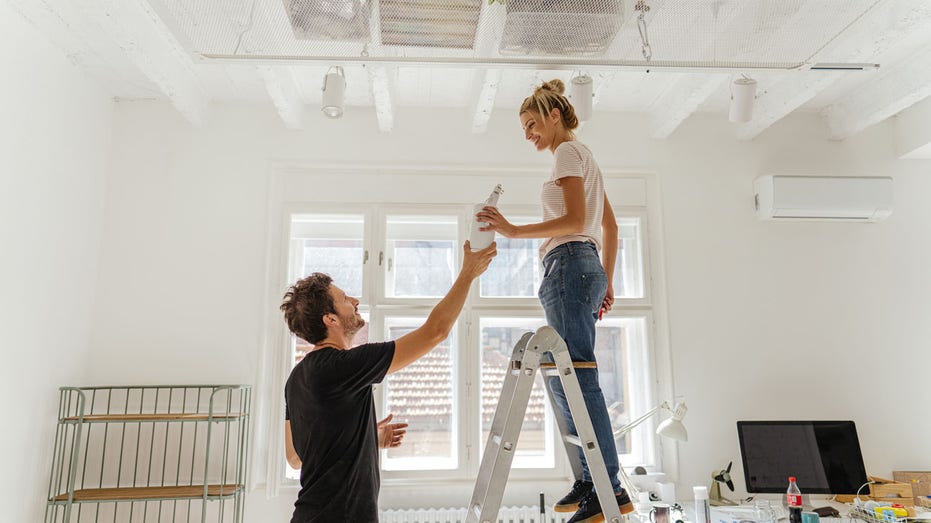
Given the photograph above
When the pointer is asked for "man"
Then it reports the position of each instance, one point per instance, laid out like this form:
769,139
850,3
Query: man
330,411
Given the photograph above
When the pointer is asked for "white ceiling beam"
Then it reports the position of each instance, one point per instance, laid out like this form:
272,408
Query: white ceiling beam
913,130
151,47
282,89
380,81
485,82
784,96
861,42
601,80
681,100
690,90
67,27
896,90
380,77
484,91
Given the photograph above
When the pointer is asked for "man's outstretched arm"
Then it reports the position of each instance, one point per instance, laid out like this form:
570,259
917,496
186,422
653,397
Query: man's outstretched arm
413,345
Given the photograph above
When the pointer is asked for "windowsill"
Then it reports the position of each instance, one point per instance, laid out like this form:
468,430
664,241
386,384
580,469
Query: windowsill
430,492
408,494
516,476
434,483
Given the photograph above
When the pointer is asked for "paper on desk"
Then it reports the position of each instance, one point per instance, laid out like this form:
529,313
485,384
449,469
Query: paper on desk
738,513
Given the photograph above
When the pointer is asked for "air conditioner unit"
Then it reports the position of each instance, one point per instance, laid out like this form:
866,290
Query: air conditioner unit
848,198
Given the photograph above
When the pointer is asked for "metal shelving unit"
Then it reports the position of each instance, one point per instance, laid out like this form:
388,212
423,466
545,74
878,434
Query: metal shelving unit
150,454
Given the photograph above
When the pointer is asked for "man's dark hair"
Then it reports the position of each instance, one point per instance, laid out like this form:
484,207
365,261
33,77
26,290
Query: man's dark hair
305,304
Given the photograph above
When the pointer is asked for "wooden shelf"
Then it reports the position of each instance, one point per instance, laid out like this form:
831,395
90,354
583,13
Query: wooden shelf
149,493
92,418
148,422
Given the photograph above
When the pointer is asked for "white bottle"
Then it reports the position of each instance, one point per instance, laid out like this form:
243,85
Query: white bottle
478,240
702,507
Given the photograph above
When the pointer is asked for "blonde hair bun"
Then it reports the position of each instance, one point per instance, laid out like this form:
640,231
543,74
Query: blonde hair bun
556,85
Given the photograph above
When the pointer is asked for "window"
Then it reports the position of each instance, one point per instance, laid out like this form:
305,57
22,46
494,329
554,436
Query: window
423,395
400,260
329,243
516,271
499,335
628,269
421,255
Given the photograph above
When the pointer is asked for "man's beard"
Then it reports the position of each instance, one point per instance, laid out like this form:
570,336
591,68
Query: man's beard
354,325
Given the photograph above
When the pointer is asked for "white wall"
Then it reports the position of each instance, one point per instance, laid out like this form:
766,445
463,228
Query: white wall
54,155
767,320
797,320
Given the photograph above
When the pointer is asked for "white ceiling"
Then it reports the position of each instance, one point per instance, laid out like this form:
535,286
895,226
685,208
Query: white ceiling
192,52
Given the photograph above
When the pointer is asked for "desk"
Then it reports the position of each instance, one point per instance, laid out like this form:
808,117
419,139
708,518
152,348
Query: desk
738,513
745,513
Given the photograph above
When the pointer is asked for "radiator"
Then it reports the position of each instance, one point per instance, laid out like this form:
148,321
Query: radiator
458,515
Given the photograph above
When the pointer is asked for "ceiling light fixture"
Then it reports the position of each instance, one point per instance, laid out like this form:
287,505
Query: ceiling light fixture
580,94
334,90
743,91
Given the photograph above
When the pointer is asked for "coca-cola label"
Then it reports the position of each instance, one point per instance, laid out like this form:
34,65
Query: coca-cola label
794,500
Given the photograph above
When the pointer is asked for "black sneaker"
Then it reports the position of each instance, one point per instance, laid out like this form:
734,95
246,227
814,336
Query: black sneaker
570,502
590,509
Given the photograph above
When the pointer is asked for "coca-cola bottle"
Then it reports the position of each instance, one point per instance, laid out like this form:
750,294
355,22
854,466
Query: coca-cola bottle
794,501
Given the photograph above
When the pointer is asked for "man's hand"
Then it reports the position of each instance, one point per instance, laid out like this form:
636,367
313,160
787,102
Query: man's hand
390,434
475,263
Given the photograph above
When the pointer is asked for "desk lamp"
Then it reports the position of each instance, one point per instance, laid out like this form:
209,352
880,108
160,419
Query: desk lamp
671,428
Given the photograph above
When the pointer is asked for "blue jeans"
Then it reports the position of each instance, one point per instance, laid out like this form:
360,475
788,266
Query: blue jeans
574,285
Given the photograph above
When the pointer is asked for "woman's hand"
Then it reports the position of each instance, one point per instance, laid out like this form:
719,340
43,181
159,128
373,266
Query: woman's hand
390,434
607,302
495,221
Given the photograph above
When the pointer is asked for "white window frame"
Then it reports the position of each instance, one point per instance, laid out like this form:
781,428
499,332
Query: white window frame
373,290
459,425
381,239
560,467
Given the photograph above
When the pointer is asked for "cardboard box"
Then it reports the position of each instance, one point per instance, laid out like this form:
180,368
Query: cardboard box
919,480
884,490
892,491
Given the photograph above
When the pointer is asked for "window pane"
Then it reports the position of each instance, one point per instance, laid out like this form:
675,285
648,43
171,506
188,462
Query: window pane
421,256
516,271
341,259
422,395
499,336
620,349
628,269
331,244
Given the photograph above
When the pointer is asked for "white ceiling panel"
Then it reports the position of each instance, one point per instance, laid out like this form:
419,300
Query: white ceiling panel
668,61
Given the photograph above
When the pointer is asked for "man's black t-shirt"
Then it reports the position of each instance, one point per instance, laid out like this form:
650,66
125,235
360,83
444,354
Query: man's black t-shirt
333,425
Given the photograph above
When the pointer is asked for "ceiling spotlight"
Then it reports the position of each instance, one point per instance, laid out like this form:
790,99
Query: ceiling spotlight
580,94
743,91
334,90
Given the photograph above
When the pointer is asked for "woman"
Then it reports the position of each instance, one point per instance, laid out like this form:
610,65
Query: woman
576,288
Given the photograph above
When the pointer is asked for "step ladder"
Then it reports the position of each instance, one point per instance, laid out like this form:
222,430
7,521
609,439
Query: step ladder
509,416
